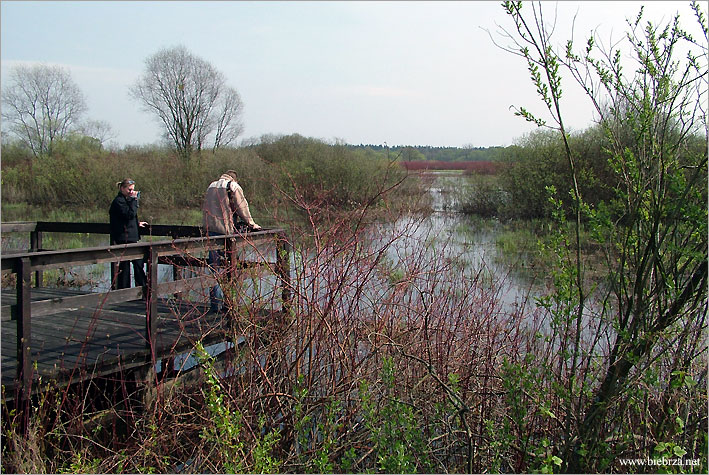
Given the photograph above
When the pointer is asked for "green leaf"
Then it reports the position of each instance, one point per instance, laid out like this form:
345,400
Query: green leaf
679,451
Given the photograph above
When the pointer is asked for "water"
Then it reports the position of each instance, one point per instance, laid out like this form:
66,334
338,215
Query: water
468,240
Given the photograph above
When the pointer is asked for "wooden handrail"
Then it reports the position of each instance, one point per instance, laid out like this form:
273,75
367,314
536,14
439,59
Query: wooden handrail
18,227
51,259
98,228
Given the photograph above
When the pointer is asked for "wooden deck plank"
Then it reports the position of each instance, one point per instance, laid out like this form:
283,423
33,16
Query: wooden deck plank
52,353
116,335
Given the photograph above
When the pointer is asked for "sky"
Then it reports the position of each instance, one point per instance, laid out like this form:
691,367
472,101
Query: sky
372,72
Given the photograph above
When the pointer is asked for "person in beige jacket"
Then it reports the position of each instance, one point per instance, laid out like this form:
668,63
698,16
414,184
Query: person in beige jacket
224,199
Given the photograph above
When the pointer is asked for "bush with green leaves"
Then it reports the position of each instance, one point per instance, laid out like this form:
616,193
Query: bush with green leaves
602,341
81,175
332,175
538,161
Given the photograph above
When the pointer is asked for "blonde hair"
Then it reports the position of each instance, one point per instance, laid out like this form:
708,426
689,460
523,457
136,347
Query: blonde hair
125,182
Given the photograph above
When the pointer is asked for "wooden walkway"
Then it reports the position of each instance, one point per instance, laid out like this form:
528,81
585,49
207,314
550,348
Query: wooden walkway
69,336
79,344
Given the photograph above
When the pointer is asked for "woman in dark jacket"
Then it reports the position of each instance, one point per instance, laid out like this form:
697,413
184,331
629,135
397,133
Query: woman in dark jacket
125,229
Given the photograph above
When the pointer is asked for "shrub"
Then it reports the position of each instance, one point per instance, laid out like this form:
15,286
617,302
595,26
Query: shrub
80,174
538,162
331,175
485,198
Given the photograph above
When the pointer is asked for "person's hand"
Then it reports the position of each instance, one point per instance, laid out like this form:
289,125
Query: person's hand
142,224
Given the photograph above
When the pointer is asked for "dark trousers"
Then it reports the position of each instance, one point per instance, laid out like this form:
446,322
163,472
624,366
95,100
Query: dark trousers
123,278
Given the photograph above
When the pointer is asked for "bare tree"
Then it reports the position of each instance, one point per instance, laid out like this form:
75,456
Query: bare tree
99,130
191,99
42,104
228,118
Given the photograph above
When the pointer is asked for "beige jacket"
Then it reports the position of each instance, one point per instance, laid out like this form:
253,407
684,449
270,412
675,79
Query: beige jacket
217,211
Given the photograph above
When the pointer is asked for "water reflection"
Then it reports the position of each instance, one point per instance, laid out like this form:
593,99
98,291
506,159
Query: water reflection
451,235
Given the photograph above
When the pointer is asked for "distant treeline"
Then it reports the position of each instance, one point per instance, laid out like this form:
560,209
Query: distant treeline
441,154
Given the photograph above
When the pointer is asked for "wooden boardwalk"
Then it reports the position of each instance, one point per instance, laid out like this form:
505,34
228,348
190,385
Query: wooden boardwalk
78,344
69,336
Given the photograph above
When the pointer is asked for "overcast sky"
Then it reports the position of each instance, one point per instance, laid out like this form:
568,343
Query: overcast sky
401,73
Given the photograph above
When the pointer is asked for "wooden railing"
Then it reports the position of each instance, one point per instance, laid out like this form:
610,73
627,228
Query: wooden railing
184,242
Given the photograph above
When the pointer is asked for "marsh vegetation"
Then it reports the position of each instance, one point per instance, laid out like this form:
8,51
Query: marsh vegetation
550,317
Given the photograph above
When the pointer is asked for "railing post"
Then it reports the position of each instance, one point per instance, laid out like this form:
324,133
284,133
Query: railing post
36,245
114,269
230,255
228,266
151,299
24,328
177,271
177,274
283,269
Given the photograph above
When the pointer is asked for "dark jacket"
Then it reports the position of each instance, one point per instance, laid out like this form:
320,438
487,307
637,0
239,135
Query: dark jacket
124,220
